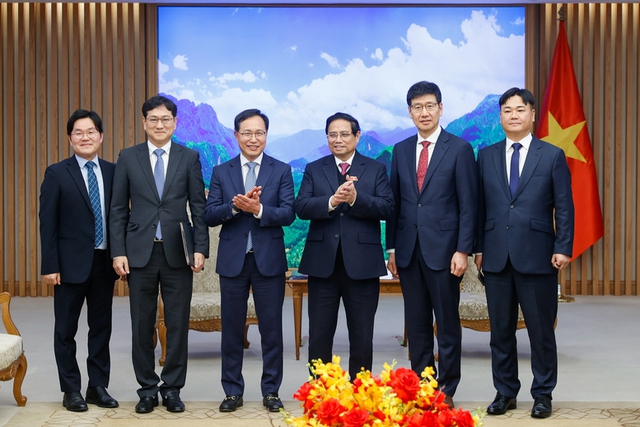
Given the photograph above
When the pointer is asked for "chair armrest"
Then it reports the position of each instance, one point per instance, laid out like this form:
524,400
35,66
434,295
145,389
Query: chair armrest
5,300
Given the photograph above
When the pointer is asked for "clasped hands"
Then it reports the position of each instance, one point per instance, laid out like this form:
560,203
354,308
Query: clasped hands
346,193
249,202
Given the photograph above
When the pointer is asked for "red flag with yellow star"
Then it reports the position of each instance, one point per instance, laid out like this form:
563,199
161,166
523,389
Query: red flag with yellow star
562,123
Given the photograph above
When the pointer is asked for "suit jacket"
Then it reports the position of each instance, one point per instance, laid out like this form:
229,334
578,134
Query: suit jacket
356,228
136,207
67,226
444,213
522,228
266,233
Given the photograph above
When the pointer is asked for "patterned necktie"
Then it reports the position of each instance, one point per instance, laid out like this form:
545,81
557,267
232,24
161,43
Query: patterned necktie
249,183
514,174
158,176
343,168
94,196
422,164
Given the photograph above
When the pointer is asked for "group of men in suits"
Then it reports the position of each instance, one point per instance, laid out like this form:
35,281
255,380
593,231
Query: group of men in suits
440,206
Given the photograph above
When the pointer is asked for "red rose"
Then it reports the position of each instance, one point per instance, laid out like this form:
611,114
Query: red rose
303,396
329,411
355,418
464,419
425,419
405,384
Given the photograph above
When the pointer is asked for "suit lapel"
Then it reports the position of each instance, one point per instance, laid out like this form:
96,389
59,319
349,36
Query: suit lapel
533,157
357,168
142,153
500,163
410,155
265,171
74,170
107,179
442,145
175,158
330,170
235,174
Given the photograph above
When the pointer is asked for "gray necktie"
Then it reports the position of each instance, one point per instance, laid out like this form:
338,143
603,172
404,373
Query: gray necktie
249,183
94,196
158,176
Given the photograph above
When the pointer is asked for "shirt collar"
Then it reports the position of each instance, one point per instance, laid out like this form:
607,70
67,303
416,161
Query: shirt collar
349,160
433,138
82,161
166,147
244,160
526,142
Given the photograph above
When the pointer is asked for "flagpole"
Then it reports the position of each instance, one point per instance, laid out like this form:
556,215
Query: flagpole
562,297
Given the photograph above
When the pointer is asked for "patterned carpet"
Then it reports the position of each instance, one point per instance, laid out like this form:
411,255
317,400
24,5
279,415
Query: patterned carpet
579,414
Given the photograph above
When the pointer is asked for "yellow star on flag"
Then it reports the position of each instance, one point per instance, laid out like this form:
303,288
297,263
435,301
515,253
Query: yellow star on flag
565,138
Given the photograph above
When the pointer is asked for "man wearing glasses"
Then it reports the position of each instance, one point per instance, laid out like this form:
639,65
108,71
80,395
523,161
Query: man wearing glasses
251,196
345,195
429,238
74,205
153,184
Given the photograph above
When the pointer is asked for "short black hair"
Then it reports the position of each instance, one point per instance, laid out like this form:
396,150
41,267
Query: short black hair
247,114
157,101
423,88
355,126
527,97
83,114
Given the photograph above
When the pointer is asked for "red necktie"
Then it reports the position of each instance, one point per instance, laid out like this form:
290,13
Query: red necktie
422,164
343,167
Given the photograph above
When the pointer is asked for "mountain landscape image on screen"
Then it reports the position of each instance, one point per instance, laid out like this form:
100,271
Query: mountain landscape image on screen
198,128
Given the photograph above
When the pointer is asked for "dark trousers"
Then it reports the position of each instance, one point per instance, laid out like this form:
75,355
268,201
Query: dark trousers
360,299
176,285
67,305
268,296
538,298
427,292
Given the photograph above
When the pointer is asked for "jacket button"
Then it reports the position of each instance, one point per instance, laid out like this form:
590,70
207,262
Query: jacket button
337,236
419,205
511,206
341,213
507,227
415,225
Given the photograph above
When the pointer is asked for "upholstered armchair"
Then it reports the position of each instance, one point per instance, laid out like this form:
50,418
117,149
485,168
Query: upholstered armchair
474,313
205,301
13,363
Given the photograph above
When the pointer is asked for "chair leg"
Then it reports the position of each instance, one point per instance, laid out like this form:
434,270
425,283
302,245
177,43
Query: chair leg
246,331
162,336
17,381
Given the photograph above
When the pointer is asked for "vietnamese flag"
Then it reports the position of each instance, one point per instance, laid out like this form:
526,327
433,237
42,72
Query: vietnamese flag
562,123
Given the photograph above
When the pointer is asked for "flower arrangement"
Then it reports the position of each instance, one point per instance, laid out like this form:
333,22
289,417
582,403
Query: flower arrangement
396,398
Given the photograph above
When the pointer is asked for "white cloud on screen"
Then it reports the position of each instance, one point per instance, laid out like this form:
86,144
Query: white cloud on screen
331,60
180,62
484,62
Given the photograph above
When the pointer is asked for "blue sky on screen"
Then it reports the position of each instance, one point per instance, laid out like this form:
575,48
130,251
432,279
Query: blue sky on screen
302,64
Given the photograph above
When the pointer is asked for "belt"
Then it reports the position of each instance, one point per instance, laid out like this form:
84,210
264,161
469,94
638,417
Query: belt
250,251
157,240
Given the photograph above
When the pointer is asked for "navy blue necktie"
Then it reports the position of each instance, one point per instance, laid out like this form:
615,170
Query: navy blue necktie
249,183
94,196
158,176
514,173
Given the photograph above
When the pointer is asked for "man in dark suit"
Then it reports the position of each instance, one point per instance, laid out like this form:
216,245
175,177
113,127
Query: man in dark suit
251,195
74,211
154,181
345,195
525,188
431,234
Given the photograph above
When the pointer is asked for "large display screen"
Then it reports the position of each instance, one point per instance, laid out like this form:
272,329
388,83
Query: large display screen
299,65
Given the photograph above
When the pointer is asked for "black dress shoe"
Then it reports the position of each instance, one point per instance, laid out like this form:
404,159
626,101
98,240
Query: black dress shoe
231,403
73,401
501,404
146,404
541,407
272,402
99,396
449,401
171,400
